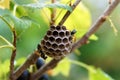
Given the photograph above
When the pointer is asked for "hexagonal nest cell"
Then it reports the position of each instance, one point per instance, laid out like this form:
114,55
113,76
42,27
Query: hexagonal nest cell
57,42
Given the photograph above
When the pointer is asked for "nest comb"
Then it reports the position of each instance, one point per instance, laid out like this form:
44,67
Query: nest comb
57,42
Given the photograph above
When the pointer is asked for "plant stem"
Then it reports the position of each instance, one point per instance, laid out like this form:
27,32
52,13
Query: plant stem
53,63
110,1
13,57
53,14
96,25
13,51
14,9
48,66
29,61
68,13
69,2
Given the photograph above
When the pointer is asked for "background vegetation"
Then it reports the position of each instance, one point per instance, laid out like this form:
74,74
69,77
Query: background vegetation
31,23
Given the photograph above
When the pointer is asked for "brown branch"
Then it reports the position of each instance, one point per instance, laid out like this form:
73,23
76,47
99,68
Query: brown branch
110,1
53,63
96,25
30,60
13,56
79,43
53,14
68,13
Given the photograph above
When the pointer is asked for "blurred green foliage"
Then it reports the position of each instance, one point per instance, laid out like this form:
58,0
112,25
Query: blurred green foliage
32,23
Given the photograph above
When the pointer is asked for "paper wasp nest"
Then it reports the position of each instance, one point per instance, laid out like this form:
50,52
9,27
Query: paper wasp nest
57,42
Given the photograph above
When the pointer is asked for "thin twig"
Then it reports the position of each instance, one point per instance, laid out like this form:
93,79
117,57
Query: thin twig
13,50
110,1
68,13
53,63
69,2
81,41
96,25
13,56
30,60
53,14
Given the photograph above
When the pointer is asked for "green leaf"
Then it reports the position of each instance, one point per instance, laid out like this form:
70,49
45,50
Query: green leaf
5,30
20,2
63,68
4,70
93,37
20,61
43,5
21,24
94,73
59,5
98,74
4,12
33,34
